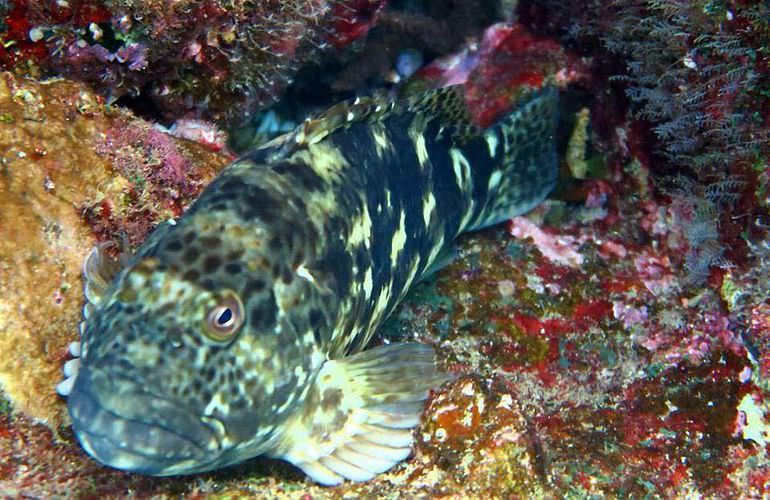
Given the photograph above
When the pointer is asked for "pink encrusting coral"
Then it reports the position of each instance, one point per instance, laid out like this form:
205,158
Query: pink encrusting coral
162,173
560,249
200,131
162,149
210,58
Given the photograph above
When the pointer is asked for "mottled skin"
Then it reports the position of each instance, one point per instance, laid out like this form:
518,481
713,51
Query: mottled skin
318,234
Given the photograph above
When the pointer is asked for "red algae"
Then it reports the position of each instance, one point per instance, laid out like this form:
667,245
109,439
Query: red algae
506,64
353,20
512,62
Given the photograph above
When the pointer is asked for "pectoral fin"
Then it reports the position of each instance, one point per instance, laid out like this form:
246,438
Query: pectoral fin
358,418
98,272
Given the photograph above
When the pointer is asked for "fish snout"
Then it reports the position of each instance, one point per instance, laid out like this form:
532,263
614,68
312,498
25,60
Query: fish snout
125,427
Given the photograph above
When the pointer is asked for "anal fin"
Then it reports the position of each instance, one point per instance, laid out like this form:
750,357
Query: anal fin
358,418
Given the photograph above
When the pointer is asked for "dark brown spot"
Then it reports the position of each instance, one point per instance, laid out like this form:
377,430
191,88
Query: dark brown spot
391,398
235,255
190,255
331,399
211,264
210,242
190,237
191,275
311,403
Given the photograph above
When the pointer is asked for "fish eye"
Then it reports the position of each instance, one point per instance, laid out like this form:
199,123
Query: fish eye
224,319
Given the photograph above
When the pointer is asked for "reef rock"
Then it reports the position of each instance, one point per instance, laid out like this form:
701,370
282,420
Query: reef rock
210,58
59,194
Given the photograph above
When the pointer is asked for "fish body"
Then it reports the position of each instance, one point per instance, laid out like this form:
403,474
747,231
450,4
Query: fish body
239,329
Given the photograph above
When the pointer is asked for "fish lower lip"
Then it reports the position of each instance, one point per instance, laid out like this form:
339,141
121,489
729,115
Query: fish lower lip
138,432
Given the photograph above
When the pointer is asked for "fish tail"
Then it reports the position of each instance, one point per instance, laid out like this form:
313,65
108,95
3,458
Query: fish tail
523,166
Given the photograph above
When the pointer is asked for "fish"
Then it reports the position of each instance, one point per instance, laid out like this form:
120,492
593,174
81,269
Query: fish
240,329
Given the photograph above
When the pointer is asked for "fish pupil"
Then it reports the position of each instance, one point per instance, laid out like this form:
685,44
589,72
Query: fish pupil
225,317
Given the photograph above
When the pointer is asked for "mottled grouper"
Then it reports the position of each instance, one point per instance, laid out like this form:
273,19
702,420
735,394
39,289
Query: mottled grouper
238,330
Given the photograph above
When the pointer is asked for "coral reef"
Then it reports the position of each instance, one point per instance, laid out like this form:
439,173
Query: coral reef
587,366
213,59
693,80
697,71
698,209
614,342
74,172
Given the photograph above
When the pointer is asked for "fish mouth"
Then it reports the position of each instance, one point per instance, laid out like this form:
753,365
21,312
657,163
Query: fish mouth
135,431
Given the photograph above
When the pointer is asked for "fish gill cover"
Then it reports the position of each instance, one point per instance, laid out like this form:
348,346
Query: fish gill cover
613,342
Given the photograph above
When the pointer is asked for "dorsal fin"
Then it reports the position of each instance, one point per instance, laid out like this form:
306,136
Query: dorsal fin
445,105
